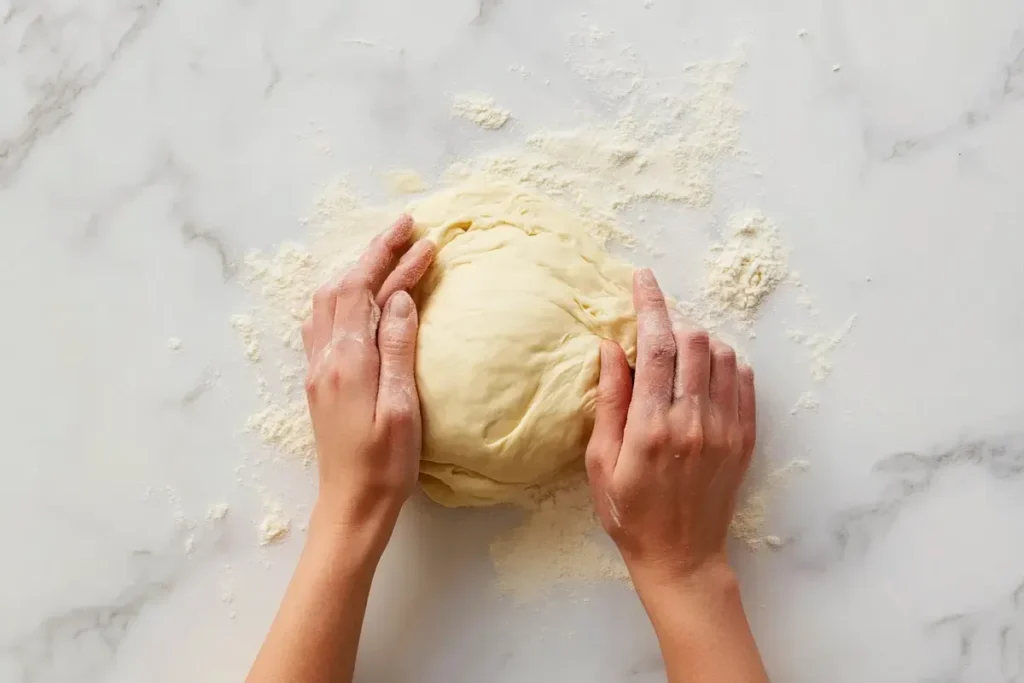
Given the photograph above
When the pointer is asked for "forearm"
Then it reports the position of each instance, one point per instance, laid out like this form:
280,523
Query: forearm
702,628
315,635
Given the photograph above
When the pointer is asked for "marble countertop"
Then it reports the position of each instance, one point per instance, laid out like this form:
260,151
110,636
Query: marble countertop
145,146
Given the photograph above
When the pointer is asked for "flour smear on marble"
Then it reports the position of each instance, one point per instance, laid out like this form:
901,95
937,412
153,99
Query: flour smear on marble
662,147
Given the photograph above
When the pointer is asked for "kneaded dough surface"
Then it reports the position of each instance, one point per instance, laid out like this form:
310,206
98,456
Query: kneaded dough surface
512,313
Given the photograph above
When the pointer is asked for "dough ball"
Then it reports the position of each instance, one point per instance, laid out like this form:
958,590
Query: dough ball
512,313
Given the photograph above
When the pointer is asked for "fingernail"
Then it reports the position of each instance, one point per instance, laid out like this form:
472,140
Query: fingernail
402,226
400,305
647,277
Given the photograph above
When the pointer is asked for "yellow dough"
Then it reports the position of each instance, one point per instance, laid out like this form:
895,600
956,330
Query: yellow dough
511,317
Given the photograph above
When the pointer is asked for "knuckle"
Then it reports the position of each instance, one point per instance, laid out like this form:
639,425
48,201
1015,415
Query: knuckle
401,413
604,398
341,374
746,373
593,459
725,355
608,397
598,450
657,434
350,284
661,350
693,437
394,339
324,294
698,340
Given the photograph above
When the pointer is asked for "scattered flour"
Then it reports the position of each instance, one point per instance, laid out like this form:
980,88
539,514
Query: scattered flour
749,520
820,346
174,344
275,525
746,268
662,145
287,428
663,148
217,511
227,589
403,181
560,541
806,401
481,110
245,327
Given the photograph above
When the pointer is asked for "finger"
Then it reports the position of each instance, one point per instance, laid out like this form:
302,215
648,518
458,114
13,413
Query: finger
695,365
655,346
397,402
747,409
723,386
321,323
378,259
354,338
409,270
680,326
614,391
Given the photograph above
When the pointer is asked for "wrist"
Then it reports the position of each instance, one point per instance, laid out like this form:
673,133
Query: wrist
704,586
700,623
359,539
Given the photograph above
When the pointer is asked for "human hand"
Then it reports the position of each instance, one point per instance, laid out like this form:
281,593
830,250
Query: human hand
669,451
361,387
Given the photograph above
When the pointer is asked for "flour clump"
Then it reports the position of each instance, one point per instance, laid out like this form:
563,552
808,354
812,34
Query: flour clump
512,313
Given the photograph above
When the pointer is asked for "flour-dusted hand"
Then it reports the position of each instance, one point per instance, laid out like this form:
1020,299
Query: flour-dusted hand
360,343
669,452
666,459
362,398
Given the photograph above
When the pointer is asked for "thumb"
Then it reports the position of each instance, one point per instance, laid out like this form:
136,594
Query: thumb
397,402
614,392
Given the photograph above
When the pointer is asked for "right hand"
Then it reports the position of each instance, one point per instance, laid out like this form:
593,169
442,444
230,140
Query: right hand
669,451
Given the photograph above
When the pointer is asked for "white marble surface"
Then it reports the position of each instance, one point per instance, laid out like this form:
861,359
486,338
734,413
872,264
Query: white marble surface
146,144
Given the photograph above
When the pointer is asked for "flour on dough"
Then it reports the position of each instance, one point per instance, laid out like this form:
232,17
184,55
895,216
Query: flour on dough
512,314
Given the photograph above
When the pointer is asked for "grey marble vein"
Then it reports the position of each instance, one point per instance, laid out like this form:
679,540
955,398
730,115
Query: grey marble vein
202,387
993,628
119,197
1009,89
275,70
78,644
484,10
56,97
193,233
909,475
168,172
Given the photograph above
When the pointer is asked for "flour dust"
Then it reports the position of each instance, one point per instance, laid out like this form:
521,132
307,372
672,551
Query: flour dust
662,145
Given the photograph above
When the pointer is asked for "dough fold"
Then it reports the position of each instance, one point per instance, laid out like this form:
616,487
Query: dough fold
512,313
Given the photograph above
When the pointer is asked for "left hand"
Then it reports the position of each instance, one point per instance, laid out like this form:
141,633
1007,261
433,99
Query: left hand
361,387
